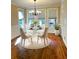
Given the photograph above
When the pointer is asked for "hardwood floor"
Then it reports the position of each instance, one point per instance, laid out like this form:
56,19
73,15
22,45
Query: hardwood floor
56,50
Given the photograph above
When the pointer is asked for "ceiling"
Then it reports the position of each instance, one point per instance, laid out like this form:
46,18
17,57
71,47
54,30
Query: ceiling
39,3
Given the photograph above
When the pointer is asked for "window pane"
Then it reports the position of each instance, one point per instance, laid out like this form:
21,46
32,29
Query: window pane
21,19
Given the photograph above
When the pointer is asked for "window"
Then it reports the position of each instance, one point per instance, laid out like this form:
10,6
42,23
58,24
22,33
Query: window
20,18
52,22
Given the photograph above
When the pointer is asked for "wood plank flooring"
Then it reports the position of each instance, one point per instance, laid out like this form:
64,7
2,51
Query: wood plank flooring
56,50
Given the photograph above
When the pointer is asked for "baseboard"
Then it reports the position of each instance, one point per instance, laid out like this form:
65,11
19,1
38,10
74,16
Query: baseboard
63,40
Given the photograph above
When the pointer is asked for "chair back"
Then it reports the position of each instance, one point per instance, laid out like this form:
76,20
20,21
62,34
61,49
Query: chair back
22,34
45,31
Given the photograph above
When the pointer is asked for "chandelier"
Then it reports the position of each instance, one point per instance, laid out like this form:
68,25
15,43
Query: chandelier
35,12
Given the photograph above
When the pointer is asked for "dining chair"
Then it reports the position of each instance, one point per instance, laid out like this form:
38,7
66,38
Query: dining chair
24,36
44,36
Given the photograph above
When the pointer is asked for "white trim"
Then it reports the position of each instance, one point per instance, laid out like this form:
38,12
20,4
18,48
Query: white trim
65,42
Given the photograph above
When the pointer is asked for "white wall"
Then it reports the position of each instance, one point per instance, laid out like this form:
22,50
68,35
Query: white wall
63,20
14,21
14,31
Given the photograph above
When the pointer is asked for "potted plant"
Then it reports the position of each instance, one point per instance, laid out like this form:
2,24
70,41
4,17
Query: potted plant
35,22
57,27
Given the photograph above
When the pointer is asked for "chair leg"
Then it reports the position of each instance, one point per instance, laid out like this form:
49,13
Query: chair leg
41,39
24,42
31,40
21,41
37,39
46,39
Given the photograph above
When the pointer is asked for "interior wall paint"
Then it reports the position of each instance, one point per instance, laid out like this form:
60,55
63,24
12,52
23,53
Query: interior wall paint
63,20
14,14
14,31
14,21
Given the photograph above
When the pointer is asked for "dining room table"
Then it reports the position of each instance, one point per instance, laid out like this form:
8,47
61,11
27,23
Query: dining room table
34,31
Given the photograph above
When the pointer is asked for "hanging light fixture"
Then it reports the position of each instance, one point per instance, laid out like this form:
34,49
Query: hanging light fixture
35,11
